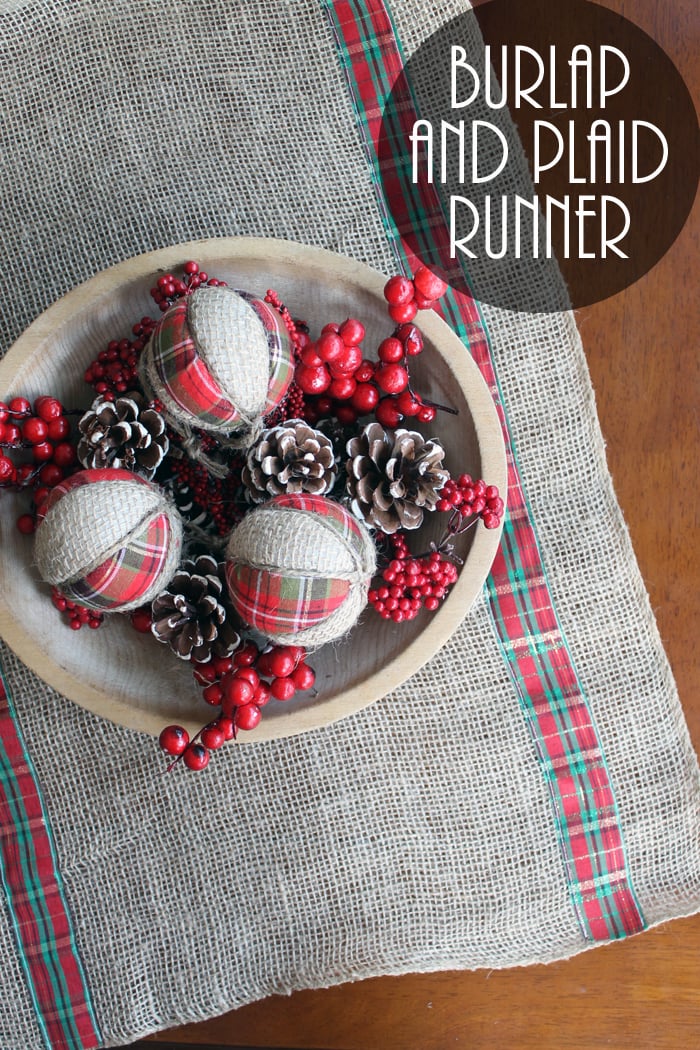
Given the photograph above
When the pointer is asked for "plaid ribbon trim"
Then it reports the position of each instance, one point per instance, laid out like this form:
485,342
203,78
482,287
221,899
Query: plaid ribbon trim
185,376
551,697
34,894
128,573
280,347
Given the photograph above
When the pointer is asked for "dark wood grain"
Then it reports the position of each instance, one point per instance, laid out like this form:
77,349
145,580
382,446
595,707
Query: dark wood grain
642,994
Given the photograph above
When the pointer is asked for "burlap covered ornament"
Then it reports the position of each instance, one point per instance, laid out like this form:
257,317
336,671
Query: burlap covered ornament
219,361
298,569
108,539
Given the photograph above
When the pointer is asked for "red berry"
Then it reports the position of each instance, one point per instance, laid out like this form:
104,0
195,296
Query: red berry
59,428
392,379
64,455
27,525
50,475
422,303
222,664
34,430
427,414
398,290
387,413
19,406
390,350
213,694
174,739
404,312
364,398
213,736
13,435
250,675
7,469
282,661
411,338
330,346
313,380
283,688
407,404
490,520
141,620
365,372
48,408
191,267
428,283
226,727
262,694
247,717
310,358
246,656
342,388
196,757
303,677
352,332
4,412
348,363
43,452
237,691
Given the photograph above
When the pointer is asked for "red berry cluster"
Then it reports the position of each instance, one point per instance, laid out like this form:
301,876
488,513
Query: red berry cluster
169,288
239,686
406,297
333,372
472,499
78,615
340,382
114,370
39,436
411,583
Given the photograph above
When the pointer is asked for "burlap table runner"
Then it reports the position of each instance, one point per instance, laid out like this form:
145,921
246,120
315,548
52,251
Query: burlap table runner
434,829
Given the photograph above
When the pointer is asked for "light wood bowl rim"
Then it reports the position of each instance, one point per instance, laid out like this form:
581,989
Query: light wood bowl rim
493,467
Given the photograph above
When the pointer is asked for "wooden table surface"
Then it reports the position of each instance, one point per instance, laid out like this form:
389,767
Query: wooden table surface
643,993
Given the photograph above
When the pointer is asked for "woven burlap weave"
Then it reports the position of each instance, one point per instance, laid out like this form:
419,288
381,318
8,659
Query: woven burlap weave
372,846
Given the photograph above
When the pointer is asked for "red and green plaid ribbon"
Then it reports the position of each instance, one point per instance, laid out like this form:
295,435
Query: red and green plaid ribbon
557,712
34,894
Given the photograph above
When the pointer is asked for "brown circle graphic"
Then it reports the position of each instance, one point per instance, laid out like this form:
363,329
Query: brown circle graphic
550,132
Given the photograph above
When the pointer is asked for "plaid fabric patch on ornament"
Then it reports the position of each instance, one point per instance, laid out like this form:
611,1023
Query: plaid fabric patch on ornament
333,514
184,374
278,604
128,573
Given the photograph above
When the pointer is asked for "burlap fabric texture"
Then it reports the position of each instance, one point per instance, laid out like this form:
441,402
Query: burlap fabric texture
367,847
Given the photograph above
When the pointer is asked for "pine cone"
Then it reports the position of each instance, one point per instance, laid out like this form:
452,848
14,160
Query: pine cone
122,433
393,477
191,615
291,457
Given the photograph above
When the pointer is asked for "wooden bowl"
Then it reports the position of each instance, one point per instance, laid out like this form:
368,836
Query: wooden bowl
132,679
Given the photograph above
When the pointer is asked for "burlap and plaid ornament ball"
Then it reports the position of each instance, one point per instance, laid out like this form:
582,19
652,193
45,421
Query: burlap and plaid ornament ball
298,569
219,361
108,539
